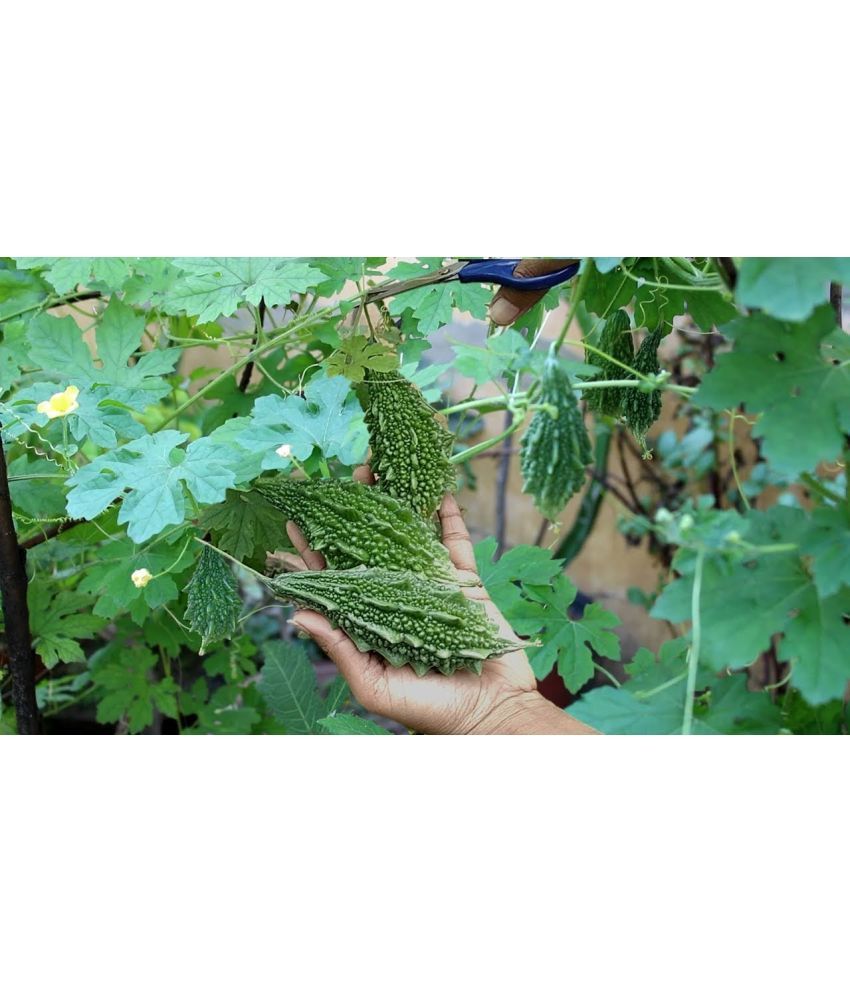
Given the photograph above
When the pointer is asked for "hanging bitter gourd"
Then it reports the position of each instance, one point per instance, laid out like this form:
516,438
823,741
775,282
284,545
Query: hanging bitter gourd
410,447
641,408
555,448
405,618
213,603
615,340
354,525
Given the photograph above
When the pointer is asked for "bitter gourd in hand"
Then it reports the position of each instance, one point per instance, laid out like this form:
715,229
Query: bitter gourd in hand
354,525
642,408
405,618
410,447
555,448
615,340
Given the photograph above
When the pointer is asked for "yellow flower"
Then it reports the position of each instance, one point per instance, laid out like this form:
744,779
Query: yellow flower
285,451
141,578
60,404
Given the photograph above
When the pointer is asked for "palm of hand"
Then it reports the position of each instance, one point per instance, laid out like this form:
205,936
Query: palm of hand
434,703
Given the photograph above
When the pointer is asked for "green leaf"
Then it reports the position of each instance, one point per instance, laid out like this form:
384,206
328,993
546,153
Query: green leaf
352,725
607,263
340,270
66,274
795,377
741,605
288,685
58,620
124,677
522,564
507,351
337,694
213,604
565,642
152,471
729,707
110,577
223,713
652,702
358,354
212,288
616,712
245,525
827,541
432,306
19,290
328,418
789,288
817,644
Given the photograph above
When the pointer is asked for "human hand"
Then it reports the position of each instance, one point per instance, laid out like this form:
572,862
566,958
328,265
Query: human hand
504,699
508,304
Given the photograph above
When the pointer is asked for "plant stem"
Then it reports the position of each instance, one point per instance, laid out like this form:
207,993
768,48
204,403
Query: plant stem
575,300
813,484
13,591
295,326
693,653
733,462
502,488
51,533
467,454
53,302
483,405
260,314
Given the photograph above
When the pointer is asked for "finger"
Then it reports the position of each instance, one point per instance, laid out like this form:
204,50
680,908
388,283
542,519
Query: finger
364,475
289,561
455,537
362,671
314,560
509,304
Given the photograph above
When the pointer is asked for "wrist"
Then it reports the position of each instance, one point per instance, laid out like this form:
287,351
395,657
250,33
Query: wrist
528,713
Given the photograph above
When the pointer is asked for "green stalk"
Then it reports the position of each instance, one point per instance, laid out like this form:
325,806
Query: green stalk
575,299
467,454
693,653
295,326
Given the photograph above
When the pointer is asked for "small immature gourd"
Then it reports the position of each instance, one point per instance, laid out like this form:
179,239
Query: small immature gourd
555,448
405,618
642,408
616,340
354,525
410,447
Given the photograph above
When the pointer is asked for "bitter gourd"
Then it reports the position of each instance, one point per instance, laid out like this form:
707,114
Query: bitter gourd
354,525
616,340
555,448
213,604
641,408
410,448
405,618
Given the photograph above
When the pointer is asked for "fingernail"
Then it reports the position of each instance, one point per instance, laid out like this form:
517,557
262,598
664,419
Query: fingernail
502,312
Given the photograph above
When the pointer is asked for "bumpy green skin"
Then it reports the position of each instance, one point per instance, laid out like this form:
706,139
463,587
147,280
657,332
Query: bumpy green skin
642,408
354,525
407,619
555,451
212,604
616,340
410,448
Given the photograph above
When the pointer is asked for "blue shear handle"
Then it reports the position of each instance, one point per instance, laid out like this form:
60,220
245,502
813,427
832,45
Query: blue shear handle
501,271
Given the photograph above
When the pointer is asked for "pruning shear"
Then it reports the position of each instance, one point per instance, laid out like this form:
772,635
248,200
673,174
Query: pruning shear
500,271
